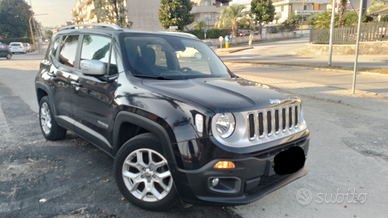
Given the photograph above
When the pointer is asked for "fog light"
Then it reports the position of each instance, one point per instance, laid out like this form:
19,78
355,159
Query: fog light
224,165
215,182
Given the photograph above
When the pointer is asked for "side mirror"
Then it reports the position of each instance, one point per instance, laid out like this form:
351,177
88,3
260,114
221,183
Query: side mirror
92,67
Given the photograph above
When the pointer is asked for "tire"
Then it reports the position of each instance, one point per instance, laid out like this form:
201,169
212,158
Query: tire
9,56
50,128
134,175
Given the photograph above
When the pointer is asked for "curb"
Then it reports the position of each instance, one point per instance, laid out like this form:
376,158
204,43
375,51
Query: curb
232,50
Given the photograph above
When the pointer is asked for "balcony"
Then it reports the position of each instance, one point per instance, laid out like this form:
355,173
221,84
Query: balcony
283,2
308,12
206,9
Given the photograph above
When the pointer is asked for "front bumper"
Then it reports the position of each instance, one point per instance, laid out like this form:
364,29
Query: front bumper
251,179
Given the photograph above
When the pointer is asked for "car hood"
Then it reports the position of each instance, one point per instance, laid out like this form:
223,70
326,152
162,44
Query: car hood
221,95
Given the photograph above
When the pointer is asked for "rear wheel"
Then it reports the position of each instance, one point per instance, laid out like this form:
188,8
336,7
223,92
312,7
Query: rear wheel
9,56
142,174
50,128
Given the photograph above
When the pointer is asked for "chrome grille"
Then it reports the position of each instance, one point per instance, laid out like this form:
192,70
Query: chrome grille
276,121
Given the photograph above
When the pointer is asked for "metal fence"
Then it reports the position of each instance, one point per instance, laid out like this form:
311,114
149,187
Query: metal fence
369,33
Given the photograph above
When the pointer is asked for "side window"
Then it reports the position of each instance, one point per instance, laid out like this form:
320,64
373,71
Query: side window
98,48
55,46
68,50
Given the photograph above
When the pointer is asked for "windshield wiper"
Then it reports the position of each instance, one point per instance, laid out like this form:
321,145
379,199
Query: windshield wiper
152,77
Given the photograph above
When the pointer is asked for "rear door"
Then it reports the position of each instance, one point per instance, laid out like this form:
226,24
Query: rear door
62,72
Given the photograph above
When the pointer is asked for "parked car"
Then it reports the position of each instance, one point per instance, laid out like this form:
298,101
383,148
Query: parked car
17,47
189,52
247,32
27,46
4,51
178,128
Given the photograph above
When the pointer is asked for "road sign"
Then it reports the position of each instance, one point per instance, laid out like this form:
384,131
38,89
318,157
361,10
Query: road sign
205,30
356,5
227,38
221,38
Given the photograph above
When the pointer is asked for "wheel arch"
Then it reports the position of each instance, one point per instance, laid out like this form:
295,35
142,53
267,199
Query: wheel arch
41,90
140,124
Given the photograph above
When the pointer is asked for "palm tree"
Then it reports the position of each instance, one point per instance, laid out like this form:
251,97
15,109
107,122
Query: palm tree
230,17
199,25
343,4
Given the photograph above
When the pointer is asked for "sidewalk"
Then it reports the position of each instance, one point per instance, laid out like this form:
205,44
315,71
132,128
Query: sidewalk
293,53
323,92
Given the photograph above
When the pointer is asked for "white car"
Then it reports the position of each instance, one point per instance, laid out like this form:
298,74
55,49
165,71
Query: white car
190,52
27,46
17,47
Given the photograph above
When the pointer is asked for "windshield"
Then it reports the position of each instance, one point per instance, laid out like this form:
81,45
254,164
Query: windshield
171,57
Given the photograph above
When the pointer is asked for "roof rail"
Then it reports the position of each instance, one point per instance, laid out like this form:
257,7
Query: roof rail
98,25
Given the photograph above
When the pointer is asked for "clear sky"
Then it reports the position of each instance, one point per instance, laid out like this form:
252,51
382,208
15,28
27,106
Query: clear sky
58,11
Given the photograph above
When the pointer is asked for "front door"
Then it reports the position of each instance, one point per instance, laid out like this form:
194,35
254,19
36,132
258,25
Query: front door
93,97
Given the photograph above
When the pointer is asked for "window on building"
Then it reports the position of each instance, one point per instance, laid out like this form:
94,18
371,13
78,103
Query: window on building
282,8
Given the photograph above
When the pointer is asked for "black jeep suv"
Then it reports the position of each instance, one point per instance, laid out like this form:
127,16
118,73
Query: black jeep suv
179,128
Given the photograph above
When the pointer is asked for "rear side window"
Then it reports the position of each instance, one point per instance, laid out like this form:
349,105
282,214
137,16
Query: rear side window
68,50
98,48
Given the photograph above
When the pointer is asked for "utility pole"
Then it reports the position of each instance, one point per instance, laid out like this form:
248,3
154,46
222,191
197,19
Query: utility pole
331,32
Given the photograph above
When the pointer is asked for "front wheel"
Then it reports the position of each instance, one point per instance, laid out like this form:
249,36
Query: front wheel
50,128
142,174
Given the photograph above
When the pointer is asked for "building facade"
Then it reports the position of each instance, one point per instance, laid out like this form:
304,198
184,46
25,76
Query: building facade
144,14
83,12
208,11
284,8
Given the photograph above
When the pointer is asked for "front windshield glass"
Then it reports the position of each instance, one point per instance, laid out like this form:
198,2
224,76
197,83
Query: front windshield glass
171,57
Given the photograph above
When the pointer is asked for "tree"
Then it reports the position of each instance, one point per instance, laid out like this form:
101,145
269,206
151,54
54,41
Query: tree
109,11
324,20
199,25
230,17
377,5
263,11
14,18
175,13
343,4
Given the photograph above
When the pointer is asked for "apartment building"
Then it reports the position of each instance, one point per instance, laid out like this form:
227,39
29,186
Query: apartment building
284,8
208,10
144,14
83,12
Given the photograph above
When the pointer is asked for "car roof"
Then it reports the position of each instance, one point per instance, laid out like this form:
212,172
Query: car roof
100,27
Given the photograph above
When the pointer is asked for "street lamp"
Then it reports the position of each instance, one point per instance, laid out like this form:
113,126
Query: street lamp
32,34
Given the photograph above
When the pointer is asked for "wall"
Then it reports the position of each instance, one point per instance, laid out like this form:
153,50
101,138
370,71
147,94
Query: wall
366,48
256,38
144,14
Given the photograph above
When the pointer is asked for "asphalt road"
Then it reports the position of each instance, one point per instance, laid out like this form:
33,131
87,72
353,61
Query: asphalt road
348,163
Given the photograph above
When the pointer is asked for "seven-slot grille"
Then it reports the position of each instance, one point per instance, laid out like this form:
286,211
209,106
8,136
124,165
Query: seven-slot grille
273,121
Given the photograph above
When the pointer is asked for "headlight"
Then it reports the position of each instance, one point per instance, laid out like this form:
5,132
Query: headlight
225,124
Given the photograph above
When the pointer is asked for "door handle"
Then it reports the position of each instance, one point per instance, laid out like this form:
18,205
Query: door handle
51,74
